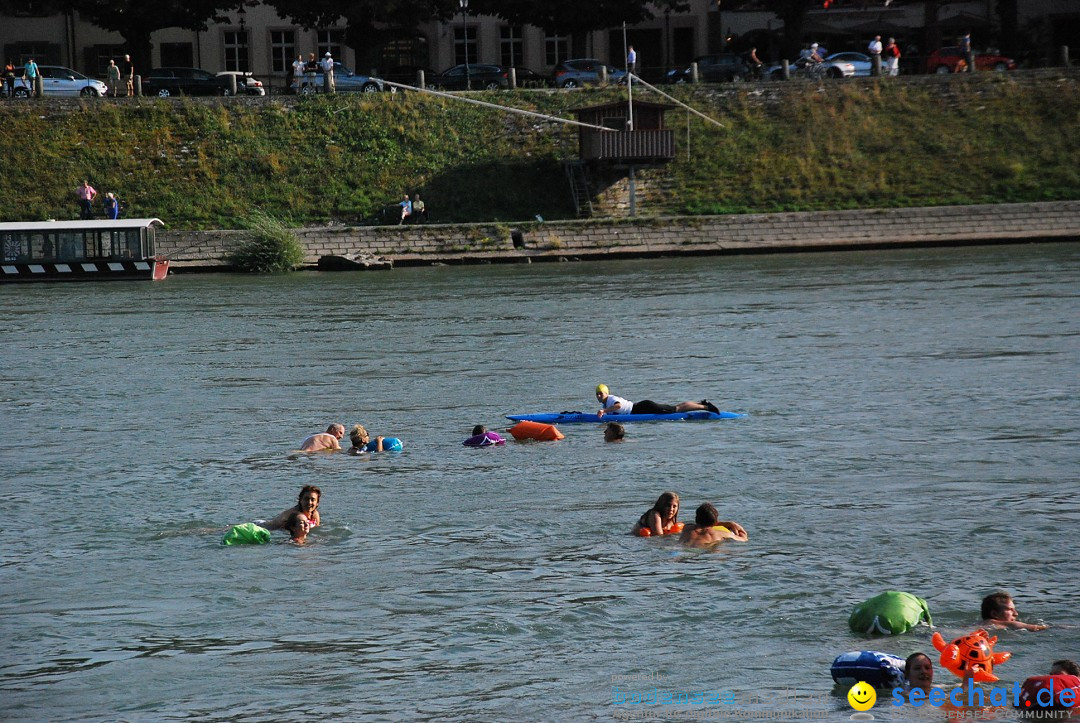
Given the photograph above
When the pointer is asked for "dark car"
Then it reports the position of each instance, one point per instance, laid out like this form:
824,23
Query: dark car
480,77
584,71
165,82
722,68
345,81
528,78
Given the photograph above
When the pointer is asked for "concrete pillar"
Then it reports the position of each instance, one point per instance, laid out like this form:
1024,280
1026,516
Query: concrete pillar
603,75
875,65
785,69
695,77
1065,55
136,85
232,84
38,90
971,61
420,79
513,78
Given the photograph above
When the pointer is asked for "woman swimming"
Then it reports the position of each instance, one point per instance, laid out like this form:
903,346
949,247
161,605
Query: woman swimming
662,518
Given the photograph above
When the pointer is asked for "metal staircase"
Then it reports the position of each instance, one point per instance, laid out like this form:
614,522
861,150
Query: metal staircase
579,187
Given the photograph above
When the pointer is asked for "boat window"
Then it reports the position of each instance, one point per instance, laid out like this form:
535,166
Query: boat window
71,246
133,245
42,246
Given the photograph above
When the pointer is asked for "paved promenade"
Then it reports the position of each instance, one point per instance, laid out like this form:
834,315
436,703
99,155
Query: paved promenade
668,236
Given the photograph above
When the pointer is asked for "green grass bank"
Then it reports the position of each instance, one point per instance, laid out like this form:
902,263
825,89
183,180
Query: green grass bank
203,164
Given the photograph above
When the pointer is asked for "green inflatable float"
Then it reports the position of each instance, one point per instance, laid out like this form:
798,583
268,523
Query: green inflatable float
890,613
246,534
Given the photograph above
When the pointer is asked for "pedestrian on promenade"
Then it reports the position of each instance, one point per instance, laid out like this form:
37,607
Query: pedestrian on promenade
127,72
631,61
114,77
892,57
86,195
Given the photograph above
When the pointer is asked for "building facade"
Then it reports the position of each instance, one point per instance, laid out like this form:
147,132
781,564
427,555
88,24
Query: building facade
258,40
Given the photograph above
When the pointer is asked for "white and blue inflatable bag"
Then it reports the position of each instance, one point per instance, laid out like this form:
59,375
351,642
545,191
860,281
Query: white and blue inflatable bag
880,670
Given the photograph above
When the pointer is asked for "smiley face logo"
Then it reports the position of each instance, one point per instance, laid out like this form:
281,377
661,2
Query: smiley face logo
862,696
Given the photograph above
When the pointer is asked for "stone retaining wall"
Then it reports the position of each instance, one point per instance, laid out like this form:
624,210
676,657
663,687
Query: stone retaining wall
683,235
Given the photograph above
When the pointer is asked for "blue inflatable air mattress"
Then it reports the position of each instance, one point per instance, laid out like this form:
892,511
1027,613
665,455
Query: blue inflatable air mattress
575,417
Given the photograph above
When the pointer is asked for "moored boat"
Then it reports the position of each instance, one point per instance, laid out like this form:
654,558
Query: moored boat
88,250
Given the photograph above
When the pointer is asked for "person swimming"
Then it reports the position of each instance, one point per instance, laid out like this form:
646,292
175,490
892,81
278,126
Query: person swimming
999,611
614,432
918,673
298,524
707,529
307,503
324,441
661,518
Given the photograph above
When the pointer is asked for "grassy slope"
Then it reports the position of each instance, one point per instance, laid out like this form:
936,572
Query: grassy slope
202,165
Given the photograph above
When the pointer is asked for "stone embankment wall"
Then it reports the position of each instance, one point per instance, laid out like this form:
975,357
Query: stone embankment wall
685,235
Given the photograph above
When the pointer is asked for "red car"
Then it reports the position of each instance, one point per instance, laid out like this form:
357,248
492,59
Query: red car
952,60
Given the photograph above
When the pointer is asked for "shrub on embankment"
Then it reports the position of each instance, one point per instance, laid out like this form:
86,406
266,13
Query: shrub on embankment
797,146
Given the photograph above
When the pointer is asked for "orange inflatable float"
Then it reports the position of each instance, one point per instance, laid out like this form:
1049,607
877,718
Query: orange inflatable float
536,430
675,529
974,652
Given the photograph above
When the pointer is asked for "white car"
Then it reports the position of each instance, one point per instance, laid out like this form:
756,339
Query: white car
801,68
245,84
58,80
860,63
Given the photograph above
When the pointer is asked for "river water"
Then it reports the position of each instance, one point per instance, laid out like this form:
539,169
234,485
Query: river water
913,425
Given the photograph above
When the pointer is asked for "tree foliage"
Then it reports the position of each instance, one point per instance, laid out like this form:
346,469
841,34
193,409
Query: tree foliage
135,20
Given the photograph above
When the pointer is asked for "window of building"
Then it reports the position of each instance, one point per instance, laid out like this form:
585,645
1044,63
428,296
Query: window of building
405,52
43,53
331,41
682,46
236,50
510,45
282,50
176,55
556,49
460,46
98,57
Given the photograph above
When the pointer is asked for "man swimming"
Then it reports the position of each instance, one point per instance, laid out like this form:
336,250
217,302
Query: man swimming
707,530
323,441
999,611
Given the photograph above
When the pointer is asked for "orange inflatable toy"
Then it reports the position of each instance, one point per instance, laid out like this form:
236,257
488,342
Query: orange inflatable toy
675,529
536,430
974,652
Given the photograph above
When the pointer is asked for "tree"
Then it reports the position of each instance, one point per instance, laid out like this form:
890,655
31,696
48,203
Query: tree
369,24
575,16
135,20
792,12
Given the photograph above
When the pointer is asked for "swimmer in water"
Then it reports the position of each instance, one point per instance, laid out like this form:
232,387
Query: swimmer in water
324,441
707,529
999,611
918,673
360,439
308,504
661,518
1065,667
614,432
298,526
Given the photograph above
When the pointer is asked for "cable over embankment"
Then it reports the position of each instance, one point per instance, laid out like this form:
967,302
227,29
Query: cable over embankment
675,100
451,96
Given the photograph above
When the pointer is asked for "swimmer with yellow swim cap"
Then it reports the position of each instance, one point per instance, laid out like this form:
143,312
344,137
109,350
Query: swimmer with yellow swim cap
707,530
618,405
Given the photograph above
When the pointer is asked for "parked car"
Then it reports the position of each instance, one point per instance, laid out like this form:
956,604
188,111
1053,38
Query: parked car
951,60
722,68
345,81
406,75
802,68
165,82
583,71
245,84
527,78
480,77
860,64
58,80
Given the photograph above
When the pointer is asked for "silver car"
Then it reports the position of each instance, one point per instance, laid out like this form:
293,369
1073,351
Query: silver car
345,81
58,80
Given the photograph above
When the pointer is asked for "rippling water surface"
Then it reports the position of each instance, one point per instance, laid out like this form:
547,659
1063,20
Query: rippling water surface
913,425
